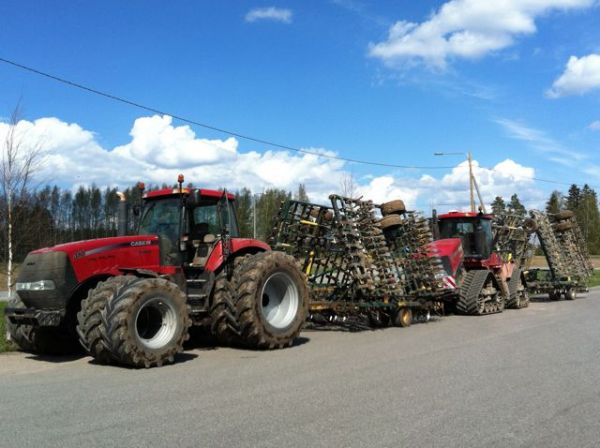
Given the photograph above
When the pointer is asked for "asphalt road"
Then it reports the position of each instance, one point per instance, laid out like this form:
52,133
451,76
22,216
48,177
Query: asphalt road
522,378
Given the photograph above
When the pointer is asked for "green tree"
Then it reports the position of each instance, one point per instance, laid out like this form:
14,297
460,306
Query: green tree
267,207
573,198
243,199
498,206
554,204
301,194
516,207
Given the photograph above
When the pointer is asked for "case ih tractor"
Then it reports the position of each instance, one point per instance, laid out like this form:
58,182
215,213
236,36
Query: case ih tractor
131,299
482,280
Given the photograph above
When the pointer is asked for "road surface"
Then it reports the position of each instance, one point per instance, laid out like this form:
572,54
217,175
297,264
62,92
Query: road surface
526,378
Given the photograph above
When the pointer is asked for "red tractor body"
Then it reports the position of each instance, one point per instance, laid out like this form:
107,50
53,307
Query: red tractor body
479,276
186,265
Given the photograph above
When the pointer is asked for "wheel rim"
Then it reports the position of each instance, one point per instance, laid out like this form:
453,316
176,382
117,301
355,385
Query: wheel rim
155,323
405,316
279,300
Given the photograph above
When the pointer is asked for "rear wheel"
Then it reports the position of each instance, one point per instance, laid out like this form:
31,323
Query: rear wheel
272,300
146,323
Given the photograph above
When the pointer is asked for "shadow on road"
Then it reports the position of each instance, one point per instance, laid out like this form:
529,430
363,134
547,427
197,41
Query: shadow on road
56,358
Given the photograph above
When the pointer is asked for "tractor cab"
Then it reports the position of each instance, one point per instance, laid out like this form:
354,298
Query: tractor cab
188,222
474,231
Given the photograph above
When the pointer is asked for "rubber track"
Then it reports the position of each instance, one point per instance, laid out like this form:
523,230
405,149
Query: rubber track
89,319
469,293
117,338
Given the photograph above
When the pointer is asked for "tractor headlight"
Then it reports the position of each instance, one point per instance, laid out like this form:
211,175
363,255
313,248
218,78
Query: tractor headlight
40,285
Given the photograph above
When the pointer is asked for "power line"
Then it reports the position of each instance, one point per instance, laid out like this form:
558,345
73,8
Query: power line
238,134
209,126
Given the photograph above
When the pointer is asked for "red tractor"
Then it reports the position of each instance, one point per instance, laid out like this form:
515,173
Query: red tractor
131,299
479,279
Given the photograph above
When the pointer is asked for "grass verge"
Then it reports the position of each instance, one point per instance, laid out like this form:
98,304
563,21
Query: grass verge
5,346
595,279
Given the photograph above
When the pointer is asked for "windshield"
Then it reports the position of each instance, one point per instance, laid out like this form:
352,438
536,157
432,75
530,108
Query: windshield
161,217
207,214
475,234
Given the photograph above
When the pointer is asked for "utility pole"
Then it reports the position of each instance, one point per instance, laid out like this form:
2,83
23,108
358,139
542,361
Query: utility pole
471,181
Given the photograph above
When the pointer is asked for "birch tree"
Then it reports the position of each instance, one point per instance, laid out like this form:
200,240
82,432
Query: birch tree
19,160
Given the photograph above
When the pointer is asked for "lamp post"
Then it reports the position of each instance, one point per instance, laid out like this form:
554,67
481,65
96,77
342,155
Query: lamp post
472,182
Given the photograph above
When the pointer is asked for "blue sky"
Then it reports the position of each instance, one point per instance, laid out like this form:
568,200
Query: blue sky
392,81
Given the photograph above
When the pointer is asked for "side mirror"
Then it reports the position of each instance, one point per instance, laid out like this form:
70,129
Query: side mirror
136,210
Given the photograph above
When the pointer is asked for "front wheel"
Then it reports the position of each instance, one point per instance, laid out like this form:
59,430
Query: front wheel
272,300
146,323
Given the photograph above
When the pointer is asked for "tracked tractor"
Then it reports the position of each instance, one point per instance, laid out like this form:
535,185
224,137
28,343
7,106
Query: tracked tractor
482,261
131,299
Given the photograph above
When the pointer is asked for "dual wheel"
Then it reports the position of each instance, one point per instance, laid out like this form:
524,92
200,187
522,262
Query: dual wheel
143,322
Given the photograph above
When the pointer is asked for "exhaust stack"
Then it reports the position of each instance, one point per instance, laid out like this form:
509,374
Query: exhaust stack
123,214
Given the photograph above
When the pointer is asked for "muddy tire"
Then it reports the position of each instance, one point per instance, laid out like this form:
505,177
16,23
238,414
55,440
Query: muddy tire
146,323
41,340
390,222
403,317
224,325
272,300
393,207
89,318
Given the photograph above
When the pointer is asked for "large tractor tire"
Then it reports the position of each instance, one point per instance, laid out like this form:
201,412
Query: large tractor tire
41,340
479,294
145,323
272,300
393,208
224,325
518,296
89,318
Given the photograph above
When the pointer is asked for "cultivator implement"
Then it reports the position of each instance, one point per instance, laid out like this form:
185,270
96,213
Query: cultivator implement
358,275
566,254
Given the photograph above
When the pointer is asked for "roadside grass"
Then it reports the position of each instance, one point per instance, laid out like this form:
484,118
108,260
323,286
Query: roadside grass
595,279
5,346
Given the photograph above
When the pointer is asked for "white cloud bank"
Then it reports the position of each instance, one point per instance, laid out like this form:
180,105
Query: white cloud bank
594,125
465,29
158,151
581,75
271,13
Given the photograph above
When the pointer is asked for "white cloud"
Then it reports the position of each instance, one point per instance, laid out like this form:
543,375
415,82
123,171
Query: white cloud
541,142
271,13
466,29
594,125
581,75
158,151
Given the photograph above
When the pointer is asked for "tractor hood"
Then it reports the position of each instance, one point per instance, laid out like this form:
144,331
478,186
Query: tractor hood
102,256
450,251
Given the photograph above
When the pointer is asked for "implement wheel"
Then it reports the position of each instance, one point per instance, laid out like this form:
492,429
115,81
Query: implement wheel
390,222
393,207
403,318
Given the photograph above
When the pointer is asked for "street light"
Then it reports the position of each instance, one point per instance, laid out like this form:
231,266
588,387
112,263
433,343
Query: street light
472,181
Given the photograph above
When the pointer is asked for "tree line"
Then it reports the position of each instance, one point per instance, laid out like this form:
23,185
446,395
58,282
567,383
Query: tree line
54,215
582,201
